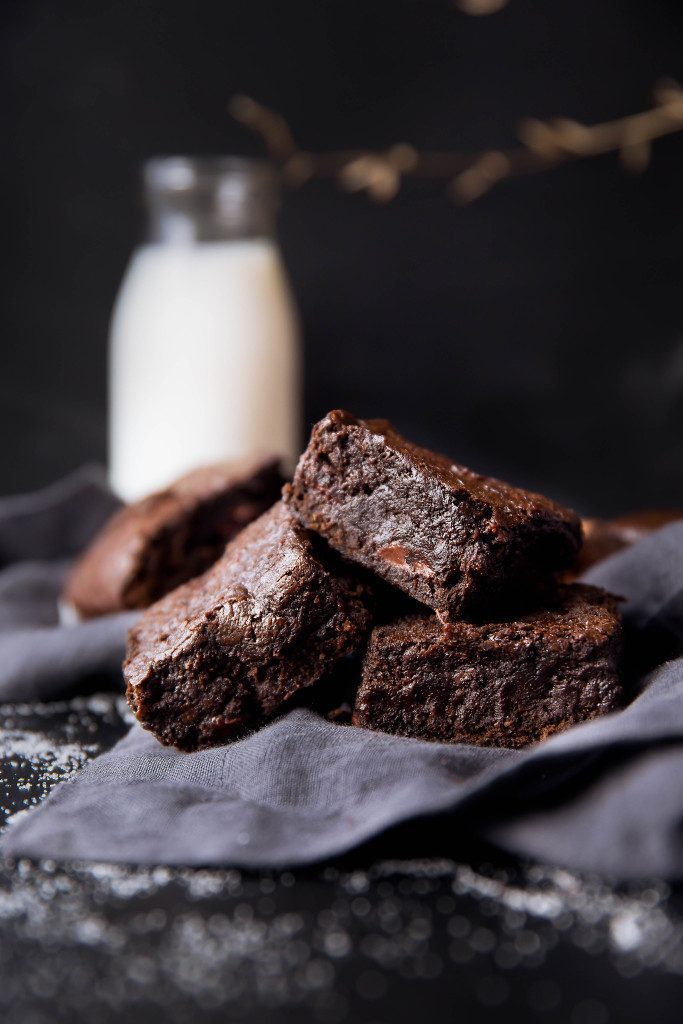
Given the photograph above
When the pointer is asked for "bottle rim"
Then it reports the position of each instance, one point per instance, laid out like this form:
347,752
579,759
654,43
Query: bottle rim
180,173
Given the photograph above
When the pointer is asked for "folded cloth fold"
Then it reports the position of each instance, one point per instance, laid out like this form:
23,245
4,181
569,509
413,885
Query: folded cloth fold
603,797
57,521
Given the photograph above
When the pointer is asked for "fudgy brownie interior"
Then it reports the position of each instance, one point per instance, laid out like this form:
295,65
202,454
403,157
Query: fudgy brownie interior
452,539
504,683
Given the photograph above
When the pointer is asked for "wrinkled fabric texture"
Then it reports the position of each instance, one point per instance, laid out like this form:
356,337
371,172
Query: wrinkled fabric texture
40,658
604,797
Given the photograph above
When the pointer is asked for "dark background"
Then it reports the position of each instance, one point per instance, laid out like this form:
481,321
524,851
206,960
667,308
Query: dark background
537,334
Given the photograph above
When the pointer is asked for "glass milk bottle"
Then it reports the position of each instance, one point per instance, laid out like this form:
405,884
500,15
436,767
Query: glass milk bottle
204,347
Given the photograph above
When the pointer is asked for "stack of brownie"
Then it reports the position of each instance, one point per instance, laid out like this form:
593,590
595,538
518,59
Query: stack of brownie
441,583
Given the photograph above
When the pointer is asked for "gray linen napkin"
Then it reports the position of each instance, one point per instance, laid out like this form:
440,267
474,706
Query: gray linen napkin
40,658
605,797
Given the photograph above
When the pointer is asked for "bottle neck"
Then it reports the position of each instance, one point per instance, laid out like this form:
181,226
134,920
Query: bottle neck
209,200
182,227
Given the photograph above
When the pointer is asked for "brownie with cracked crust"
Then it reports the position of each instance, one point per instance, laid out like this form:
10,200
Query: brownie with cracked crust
149,548
225,652
452,539
506,683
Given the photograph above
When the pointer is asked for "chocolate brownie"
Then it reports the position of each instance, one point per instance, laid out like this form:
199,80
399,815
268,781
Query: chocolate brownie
147,549
225,652
604,537
450,538
504,683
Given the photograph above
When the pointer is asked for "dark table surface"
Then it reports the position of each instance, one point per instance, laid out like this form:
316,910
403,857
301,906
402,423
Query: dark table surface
367,939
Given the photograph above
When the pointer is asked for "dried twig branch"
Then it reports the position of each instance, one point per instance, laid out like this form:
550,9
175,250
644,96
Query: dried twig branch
543,145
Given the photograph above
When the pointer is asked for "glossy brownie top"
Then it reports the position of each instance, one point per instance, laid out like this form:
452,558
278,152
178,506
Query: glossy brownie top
227,649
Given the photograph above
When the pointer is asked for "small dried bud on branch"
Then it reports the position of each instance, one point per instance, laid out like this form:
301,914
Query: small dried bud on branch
267,123
372,173
478,7
483,174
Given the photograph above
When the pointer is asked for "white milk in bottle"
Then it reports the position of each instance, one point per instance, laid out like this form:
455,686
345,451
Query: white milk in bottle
204,348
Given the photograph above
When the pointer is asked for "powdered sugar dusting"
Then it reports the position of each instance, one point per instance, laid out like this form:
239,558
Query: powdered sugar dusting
327,941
